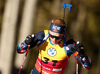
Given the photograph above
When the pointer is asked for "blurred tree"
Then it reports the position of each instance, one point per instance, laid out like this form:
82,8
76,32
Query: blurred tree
8,34
26,27
84,26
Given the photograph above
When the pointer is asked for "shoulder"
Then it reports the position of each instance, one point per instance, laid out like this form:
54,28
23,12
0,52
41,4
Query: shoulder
41,35
46,32
69,39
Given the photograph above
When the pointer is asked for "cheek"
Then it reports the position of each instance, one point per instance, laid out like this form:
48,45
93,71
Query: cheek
58,40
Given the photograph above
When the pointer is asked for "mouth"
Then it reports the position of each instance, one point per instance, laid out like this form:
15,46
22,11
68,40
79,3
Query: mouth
54,42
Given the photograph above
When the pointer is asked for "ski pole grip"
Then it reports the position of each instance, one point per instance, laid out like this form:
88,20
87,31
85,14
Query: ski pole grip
32,37
77,42
28,45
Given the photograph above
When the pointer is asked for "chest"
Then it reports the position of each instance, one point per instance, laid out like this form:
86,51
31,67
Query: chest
52,52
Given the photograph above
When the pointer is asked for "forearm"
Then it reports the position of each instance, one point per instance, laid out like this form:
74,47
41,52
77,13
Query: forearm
22,47
86,61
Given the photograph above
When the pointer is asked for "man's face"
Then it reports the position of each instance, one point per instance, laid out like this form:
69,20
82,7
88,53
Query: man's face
55,37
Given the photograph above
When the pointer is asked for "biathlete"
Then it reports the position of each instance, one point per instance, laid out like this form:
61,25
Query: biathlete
55,48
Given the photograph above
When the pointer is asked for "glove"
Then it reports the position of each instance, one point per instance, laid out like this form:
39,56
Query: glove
80,49
29,39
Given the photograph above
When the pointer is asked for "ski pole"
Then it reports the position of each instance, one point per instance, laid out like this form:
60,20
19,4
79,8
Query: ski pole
24,59
77,61
65,5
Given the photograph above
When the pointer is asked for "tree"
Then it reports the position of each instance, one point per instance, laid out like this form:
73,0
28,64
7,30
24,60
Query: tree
27,24
8,34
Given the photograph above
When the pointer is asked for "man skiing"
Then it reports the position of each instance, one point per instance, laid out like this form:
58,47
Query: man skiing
55,48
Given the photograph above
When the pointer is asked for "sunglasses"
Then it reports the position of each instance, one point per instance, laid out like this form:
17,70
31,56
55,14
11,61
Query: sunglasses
57,38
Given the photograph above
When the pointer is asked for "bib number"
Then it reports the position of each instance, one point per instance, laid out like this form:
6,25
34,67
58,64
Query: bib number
46,61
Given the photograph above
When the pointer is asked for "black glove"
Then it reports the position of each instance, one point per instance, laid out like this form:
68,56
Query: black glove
80,49
29,39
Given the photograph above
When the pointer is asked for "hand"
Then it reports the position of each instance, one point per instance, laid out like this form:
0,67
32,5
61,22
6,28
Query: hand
29,39
80,49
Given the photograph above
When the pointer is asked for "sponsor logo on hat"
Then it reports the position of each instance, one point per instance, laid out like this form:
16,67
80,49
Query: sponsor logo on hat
56,27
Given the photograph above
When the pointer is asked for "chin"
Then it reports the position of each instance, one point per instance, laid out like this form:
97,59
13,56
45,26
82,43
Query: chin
55,43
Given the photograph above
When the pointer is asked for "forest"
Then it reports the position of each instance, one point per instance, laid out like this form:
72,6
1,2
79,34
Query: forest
20,18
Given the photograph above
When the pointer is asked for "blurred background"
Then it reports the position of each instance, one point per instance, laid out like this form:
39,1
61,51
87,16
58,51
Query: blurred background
19,18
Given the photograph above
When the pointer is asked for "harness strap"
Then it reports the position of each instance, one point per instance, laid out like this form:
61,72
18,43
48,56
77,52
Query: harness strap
44,39
64,39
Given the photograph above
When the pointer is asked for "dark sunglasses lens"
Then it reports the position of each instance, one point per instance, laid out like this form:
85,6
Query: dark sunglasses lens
55,37
52,36
58,38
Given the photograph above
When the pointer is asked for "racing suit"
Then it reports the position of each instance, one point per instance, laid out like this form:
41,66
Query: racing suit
52,59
